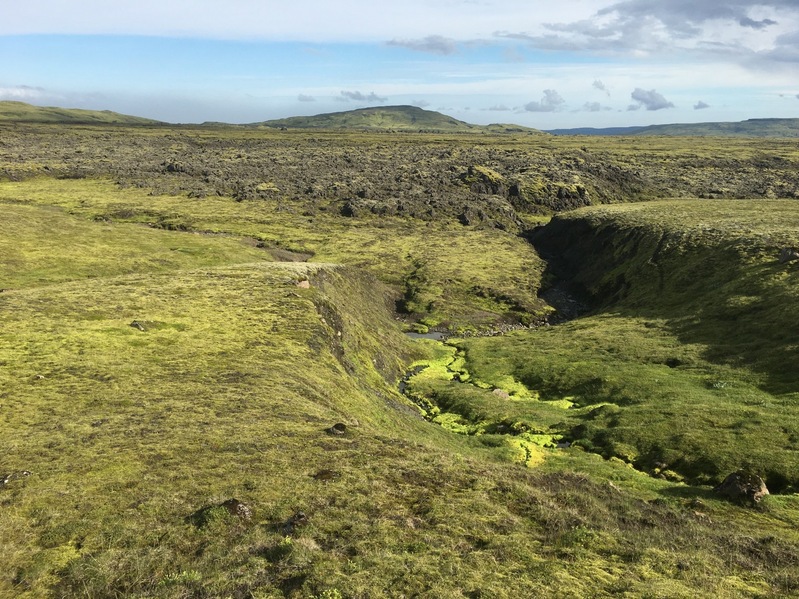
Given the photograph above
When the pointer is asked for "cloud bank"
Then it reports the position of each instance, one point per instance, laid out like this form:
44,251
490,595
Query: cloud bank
432,44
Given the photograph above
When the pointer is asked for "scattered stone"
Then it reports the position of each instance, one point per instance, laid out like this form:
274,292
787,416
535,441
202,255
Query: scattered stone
697,504
501,393
337,429
7,478
237,508
789,255
325,475
304,284
701,517
742,486
210,513
138,325
297,520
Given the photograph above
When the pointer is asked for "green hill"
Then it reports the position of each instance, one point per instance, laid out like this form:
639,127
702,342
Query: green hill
27,113
389,118
748,128
206,389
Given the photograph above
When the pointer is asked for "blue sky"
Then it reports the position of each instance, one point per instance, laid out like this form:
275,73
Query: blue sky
540,64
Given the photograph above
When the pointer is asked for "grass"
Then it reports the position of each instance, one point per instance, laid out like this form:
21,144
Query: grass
26,113
685,370
455,260
155,363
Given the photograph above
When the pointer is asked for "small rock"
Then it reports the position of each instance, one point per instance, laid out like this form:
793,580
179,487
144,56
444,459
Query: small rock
137,325
7,478
789,255
298,519
209,513
743,486
702,517
304,284
337,429
502,394
325,475
237,508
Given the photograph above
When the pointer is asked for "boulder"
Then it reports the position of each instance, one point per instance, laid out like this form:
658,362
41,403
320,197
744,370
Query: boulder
236,508
788,255
742,486
337,429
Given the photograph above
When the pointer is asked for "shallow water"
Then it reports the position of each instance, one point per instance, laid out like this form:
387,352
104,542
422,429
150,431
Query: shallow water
435,336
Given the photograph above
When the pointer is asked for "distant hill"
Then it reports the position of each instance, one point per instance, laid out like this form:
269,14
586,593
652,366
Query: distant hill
27,113
390,118
748,128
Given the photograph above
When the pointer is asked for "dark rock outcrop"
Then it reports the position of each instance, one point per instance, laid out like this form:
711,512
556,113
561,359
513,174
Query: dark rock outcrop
742,486
789,255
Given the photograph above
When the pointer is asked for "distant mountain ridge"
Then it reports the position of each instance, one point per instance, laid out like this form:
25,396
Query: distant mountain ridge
27,113
402,119
390,118
749,128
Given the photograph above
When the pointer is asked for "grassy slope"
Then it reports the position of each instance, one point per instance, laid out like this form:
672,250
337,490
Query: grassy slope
27,113
394,118
691,340
748,128
228,390
445,261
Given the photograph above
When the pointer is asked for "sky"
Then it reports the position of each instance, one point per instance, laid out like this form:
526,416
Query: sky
542,64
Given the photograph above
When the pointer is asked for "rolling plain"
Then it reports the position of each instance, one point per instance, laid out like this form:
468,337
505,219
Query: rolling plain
207,386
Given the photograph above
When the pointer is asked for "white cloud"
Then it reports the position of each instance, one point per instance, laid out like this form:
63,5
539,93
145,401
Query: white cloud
651,100
432,44
357,96
550,102
597,84
299,20
23,93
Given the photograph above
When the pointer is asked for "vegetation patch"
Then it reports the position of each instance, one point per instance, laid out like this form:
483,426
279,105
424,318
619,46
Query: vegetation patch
200,355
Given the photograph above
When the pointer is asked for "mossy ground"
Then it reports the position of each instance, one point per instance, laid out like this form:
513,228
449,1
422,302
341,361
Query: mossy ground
155,362
446,272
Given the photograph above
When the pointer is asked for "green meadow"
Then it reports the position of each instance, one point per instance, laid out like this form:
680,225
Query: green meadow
207,390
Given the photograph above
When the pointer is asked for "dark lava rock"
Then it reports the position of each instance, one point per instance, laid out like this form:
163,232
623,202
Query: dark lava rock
209,513
297,520
236,508
743,487
326,474
337,429
789,255
7,478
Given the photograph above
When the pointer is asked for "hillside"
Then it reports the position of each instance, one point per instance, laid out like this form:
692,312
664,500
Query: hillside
390,118
27,113
748,128
207,389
